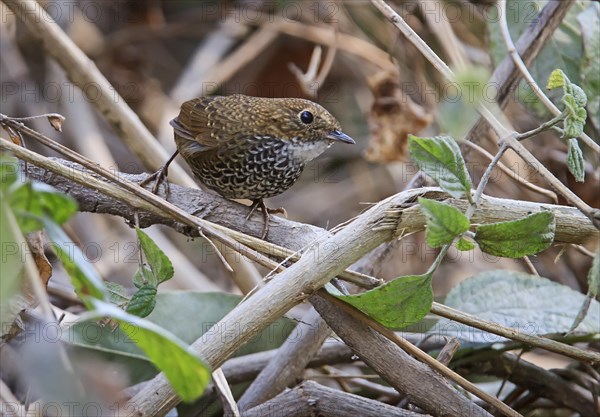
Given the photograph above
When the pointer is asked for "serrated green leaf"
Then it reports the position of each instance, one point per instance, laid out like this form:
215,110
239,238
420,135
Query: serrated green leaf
117,294
517,238
440,158
398,303
578,95
160,264
143,301
88,284
33,201
575,160
187,373
530,304
574,123
464,245
444,222
574,99
142,277
556,79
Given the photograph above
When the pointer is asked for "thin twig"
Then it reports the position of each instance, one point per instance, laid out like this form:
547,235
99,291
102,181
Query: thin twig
541,128
550,194
530,266
592,213
515,334
512,50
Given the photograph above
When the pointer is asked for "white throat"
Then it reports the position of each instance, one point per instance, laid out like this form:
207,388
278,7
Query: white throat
306,152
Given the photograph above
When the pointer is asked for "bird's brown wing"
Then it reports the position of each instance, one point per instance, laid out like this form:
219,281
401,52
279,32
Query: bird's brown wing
193,122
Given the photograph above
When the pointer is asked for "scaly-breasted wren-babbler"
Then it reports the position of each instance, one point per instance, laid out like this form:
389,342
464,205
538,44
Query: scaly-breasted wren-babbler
251,147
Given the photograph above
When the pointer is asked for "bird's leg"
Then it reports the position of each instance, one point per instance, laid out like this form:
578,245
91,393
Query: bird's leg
266,212
160,175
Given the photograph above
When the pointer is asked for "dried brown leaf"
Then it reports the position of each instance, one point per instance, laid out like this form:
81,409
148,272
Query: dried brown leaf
393,117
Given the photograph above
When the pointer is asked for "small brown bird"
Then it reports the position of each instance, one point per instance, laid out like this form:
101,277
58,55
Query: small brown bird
251,147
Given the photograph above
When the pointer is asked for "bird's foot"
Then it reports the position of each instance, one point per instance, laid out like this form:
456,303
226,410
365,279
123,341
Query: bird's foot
266,212
159,176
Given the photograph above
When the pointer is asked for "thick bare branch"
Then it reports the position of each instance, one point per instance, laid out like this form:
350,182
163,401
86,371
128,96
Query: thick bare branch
571,225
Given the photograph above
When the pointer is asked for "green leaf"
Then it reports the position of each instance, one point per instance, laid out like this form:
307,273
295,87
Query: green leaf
530,304
117,294
142,277
579,95
440,158
556,79
173,311
84,277
464,245
517,238
187,373
444,222
33,201
143,301
9,171
398,303
575,120
472,82
575,160
574,99
457,112
160,264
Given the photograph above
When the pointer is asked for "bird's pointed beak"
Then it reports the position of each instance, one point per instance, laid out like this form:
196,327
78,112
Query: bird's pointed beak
341,137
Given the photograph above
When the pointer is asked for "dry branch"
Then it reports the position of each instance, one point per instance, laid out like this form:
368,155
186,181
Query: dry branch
312,399
287,367
571,225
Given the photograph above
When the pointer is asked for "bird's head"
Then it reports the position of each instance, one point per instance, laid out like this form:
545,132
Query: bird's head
302,120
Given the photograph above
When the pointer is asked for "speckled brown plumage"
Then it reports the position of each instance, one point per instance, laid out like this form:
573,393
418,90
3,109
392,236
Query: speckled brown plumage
251,147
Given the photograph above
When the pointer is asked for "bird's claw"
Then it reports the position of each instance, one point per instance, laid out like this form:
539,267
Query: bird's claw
266,212
158,177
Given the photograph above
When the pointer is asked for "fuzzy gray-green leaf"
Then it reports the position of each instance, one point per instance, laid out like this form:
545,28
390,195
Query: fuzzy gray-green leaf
517,238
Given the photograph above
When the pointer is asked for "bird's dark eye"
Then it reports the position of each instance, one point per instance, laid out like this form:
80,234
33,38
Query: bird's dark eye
306,117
